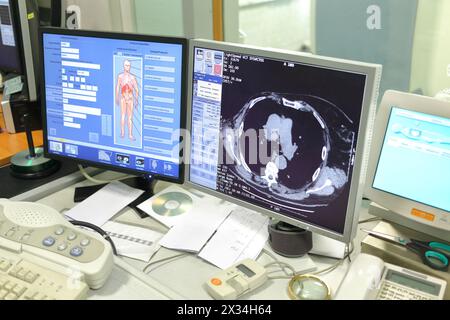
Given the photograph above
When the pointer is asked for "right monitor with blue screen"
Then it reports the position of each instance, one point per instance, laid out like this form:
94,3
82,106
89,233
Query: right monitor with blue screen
415,158
409,169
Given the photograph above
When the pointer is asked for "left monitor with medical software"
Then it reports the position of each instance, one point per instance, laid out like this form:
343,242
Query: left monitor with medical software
114,100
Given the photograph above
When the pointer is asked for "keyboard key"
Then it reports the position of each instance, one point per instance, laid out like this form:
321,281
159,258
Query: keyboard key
3,281
30,277
19,290
30,295
40,296
21,274
13,272
9,286
3,294
5,265
11,296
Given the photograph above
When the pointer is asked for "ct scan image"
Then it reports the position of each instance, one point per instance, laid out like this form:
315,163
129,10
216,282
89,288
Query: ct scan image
305,121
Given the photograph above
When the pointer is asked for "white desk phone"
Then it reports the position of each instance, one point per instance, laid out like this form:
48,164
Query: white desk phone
43,256
370,278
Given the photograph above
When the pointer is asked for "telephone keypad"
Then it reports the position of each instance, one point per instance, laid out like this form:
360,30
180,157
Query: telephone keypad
390,291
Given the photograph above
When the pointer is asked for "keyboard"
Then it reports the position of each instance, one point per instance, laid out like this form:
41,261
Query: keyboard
23,280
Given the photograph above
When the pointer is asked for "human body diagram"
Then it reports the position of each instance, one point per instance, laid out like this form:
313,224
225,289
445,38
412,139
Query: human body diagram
127,94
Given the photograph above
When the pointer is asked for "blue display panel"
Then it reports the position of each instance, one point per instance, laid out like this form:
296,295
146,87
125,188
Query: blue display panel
415,159
114,102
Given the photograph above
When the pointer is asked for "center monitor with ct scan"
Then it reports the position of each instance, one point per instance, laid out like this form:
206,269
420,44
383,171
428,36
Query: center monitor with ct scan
281,133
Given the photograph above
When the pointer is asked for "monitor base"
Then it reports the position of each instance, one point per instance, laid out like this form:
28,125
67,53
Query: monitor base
289,241
24,166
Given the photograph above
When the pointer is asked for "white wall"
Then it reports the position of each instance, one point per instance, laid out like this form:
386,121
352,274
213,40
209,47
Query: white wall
105,15
182,18
431,54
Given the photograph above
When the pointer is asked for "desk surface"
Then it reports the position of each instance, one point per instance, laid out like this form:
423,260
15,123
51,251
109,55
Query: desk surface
184,276
10,144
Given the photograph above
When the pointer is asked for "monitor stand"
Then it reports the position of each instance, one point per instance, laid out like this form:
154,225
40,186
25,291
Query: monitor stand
31,164
289,241
144,183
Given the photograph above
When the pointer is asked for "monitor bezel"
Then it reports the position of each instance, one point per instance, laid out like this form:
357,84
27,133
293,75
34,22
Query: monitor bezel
373,74
120,36
411,102
13,9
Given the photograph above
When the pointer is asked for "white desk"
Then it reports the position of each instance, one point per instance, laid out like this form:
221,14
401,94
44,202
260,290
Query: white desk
184,277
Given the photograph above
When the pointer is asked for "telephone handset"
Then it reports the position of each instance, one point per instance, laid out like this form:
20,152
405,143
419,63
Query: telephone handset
370,278
41,236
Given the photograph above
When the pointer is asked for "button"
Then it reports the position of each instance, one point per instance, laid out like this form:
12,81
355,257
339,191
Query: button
25,237
59,231
76,252
5,265
19,290
30,277
30,295
15,270
11,296
85,242
71,237
40,296
48,242
3,293
216,282
9,286
62,246
21,274
3,282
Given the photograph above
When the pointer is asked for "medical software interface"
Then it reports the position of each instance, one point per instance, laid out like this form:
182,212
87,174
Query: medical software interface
115,102
8,50
415,159
277,134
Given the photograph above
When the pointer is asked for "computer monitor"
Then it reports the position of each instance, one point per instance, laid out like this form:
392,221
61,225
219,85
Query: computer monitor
24,16
409,168
9,44
114,101
281,132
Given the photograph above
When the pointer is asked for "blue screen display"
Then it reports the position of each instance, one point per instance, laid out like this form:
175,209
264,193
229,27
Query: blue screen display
415,159
114,102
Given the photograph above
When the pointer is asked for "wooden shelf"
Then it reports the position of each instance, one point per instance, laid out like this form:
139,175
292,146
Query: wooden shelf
10,144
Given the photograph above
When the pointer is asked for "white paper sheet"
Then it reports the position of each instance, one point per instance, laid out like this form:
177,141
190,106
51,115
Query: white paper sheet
104,204
198,198
243,235
133,242
193,231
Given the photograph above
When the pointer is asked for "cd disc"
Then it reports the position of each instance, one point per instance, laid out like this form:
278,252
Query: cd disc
172,204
